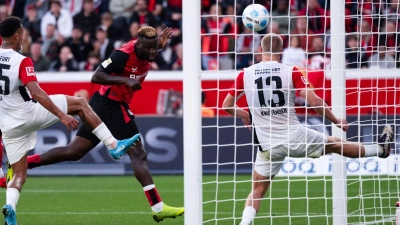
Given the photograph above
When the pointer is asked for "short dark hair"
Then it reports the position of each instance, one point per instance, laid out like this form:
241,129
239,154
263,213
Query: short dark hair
9,26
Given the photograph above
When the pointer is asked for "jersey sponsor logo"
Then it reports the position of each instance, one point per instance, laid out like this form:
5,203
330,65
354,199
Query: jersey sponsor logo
274,112
4,59
267,71
107,62
30,71
138,77
304,80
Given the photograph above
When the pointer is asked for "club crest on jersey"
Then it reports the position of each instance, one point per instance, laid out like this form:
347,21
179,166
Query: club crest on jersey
107,62
138,77
30,71
134,69
304,80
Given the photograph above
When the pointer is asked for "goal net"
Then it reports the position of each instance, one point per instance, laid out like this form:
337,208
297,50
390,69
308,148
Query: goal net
304,191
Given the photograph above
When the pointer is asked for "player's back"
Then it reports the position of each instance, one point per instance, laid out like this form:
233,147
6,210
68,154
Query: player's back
270,95
16,104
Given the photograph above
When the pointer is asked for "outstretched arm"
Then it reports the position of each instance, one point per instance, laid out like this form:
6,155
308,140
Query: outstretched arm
323,109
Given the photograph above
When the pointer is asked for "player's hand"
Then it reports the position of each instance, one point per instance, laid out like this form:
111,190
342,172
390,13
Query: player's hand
342,124
247,122
164,36
70,122
134,84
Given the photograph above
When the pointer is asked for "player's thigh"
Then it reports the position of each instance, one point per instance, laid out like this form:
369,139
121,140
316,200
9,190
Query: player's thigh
269,163
18,143
44,118
308,143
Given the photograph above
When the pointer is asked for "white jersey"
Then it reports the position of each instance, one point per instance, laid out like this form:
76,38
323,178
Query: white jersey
16,105
270,89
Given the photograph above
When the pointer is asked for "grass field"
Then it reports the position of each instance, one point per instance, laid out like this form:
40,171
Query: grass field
120,200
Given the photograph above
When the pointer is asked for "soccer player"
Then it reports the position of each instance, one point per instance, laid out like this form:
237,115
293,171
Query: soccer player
3,181
22,116
121,76
270,88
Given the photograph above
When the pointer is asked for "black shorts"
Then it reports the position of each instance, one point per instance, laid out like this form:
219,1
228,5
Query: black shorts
115,115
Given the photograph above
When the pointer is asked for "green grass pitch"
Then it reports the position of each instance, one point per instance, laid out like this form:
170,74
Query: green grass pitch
120,200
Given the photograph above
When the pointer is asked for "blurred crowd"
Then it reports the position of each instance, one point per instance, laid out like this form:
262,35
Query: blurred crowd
77,35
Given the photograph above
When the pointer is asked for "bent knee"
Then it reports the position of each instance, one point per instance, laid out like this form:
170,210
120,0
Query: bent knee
334,144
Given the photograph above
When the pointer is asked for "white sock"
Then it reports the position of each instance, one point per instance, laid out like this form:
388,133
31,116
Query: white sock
12,196
104,135
1,173
248,215
157,207
373,150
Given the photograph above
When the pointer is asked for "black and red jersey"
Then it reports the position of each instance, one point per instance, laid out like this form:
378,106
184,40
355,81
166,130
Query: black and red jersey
124,62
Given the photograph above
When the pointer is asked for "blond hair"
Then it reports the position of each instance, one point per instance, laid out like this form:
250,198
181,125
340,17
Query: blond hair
271,43
147,32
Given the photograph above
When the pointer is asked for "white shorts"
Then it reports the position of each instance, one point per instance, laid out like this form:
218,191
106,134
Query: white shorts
308,143
19,140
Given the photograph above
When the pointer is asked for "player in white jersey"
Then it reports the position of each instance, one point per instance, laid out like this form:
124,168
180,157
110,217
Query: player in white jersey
21,115
270,89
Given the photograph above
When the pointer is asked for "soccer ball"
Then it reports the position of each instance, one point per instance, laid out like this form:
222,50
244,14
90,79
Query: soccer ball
255,17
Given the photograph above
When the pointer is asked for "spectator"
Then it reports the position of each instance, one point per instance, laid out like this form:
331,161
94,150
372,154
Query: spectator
114,32
54,48
306,36
392,12
390,38
283,17
382,59
65,61
318,18
173,13
205,111
15,7
178,64
246,43
355,57
132,34
317,58
26,42
41,6
142,16
93,62
215,41
58,16
31,22
40,62
156,7
294,55
51,35
3,12
72,6
79,48
121,11
103,46
87,19
368,40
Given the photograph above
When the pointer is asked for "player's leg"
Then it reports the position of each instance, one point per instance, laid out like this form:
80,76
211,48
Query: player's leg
357,150
268,164
3,180
79,106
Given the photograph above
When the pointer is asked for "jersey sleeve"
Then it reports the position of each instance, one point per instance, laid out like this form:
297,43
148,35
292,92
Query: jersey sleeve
299,81
237,87
115,63
27,71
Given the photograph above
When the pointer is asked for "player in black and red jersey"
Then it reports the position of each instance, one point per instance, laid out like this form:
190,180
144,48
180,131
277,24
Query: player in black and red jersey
121,76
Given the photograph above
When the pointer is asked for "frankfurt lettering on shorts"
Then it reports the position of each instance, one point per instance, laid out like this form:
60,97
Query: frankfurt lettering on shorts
274,112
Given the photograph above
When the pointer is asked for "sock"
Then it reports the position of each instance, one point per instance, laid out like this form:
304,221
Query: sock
34,161
104,135
248,215
12,196
153,198
372,150
1,159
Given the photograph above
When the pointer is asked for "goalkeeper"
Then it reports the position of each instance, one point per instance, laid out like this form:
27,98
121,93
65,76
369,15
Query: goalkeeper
270,88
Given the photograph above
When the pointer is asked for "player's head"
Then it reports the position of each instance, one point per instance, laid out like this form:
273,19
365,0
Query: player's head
11,31
147,43
271,44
